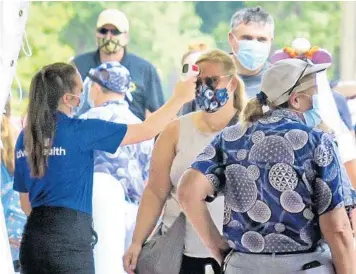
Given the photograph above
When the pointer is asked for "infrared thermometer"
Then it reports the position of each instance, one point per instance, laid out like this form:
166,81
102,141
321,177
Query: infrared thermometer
189,70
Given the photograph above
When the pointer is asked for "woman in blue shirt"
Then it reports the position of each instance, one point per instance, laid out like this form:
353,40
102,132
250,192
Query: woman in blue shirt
54,168
282,179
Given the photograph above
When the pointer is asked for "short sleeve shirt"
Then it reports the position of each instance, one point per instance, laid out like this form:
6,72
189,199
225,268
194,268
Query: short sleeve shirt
146,88
68,178
278,176
129,164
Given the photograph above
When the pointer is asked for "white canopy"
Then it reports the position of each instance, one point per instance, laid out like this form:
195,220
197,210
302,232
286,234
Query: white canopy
13,17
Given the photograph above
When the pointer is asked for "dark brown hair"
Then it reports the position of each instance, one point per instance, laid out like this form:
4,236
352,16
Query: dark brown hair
47,87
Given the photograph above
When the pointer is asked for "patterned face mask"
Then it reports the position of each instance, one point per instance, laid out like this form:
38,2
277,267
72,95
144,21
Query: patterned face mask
208,97
109,46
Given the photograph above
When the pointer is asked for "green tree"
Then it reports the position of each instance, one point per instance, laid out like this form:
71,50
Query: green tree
319,22
159,32
216,19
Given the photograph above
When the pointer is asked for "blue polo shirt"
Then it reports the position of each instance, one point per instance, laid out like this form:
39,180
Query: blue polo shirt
146,88
68,179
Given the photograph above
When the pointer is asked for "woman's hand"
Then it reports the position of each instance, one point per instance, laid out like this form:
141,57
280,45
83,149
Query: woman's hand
185,90
131,256
221,251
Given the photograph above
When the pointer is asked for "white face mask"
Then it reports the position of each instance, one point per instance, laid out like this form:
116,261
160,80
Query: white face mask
73,109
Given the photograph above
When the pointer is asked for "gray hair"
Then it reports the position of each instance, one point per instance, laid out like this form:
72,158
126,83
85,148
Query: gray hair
247,15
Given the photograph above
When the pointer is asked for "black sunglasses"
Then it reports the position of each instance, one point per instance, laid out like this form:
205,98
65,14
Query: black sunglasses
212,82
105,31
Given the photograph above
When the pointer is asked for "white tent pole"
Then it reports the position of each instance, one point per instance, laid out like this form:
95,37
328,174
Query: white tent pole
13,17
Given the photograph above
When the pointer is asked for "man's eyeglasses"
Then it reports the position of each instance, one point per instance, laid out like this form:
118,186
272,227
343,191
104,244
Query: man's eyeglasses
105,31
212,81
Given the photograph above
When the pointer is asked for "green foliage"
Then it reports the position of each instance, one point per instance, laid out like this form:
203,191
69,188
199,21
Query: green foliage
317,21
161,31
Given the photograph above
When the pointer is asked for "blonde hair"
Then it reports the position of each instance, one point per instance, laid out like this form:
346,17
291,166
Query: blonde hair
194,47
251,112
220,57
7,138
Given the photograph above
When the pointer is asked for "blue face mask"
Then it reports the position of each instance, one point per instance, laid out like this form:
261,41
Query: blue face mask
210,100
252,54
312,117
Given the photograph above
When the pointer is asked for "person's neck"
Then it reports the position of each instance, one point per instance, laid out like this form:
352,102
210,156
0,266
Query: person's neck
117,56
64,109
217,121
110,97
245,72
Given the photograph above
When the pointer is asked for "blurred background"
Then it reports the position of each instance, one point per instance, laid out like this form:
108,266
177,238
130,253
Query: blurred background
161,31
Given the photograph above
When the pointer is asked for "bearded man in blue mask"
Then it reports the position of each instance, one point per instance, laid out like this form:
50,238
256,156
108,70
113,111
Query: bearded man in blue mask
250,38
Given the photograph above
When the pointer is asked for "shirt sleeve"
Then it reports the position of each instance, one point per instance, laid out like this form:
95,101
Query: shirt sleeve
154,94
20,166
211,163
332,187
100,135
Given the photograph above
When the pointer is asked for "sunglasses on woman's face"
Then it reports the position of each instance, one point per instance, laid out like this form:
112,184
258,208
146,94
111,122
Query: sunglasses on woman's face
212,81
105,31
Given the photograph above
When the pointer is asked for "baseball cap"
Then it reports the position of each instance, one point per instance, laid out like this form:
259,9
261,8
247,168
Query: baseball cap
112,76
113,17
286,74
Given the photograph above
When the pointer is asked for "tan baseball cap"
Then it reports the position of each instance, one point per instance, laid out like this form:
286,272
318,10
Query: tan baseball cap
284,74
113,17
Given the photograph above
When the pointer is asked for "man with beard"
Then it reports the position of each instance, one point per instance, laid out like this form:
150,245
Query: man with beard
112,36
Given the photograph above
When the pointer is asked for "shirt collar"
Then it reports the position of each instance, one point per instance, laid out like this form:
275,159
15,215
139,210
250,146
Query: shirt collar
61,116
121,102
286,113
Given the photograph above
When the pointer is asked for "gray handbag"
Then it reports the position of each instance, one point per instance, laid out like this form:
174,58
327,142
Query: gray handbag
162,254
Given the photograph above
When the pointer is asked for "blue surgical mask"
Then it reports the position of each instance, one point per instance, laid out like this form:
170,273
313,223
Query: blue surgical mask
252,54
312,117
210,100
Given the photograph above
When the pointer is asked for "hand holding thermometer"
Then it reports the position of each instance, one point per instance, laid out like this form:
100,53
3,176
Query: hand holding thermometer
189,70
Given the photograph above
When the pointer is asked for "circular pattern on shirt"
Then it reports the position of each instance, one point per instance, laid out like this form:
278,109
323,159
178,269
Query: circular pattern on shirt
227,214
323,156
272,149
270,120
307,184
305,237
309,170
308,214
233,133
260,212
207,154
253,172
297,137
330,173
291,201
214,180
235,224
253,241
275,242
241,154
279,227
258,136
241,191
323,195
283,177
